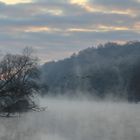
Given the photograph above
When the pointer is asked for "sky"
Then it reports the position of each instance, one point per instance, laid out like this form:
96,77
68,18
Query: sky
56,29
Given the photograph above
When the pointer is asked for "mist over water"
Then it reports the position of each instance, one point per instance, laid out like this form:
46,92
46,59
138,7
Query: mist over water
75,120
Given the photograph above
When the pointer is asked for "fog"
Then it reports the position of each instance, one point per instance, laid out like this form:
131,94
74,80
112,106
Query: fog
75,120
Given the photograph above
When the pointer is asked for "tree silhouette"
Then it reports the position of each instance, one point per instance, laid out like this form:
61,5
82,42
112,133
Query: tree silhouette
18,82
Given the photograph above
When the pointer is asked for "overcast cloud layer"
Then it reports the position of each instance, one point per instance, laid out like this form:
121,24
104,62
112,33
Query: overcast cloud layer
58,28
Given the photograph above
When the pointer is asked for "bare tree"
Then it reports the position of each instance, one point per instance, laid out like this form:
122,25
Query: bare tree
18,82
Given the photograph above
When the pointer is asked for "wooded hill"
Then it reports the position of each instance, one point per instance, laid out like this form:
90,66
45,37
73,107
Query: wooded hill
109,69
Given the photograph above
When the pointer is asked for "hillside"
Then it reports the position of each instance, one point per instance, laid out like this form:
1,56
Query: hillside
108,70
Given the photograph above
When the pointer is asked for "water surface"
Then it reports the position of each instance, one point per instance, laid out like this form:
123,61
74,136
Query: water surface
75,120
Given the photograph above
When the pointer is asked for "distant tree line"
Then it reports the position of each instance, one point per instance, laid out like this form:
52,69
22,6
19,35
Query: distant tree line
109,69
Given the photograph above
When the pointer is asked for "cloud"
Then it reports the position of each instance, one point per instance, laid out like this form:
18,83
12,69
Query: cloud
15,1
67,26
117,3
